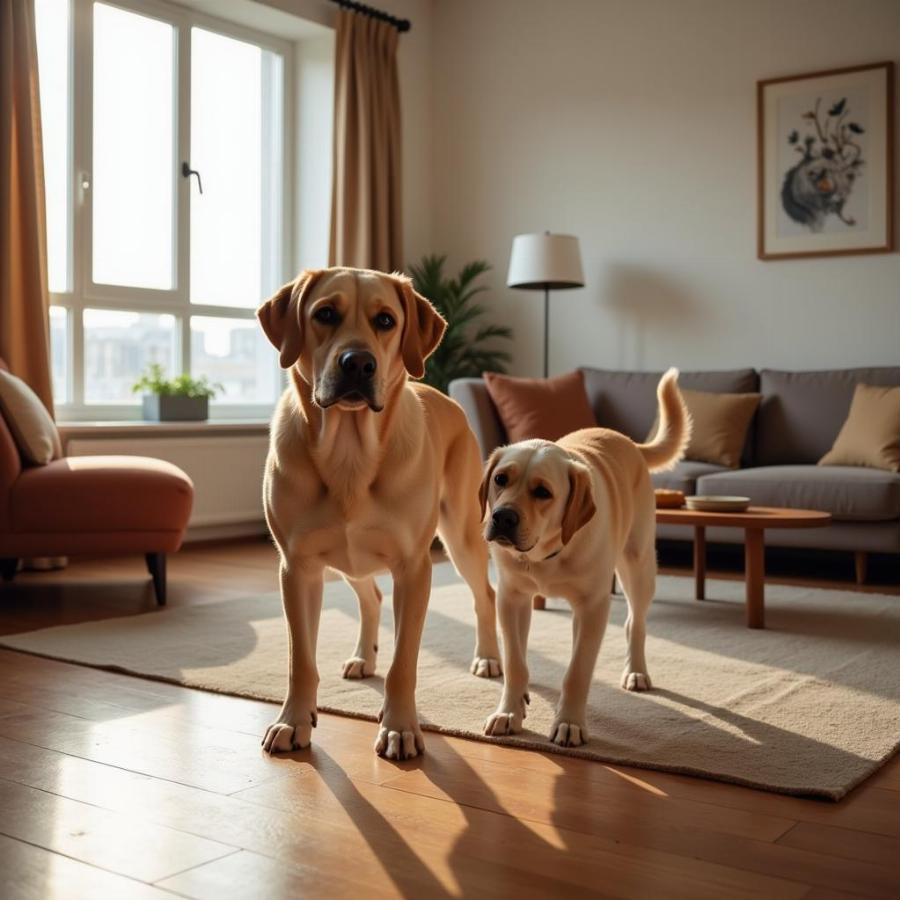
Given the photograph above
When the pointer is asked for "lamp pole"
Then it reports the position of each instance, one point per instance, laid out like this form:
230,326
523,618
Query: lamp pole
546,331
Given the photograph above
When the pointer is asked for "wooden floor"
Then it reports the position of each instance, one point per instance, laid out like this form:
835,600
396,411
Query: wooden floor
116,787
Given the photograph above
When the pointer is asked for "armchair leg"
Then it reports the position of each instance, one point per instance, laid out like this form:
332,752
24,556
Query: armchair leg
861,559
8,568
156,566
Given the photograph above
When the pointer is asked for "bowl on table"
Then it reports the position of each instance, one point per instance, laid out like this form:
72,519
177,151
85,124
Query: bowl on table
717,503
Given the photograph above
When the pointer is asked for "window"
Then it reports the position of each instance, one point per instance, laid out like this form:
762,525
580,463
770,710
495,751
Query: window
164,154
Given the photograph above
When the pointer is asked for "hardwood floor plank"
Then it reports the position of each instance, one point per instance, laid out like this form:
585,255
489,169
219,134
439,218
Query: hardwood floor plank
888,776
248,874
863,846
111,841
224,762
33,873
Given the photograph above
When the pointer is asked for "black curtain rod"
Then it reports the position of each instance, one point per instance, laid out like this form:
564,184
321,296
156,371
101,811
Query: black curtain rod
400,24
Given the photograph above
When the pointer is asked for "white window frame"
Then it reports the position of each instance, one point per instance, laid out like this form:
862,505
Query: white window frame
84,293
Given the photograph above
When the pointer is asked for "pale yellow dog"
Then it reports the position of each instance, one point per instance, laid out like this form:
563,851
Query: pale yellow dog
563,517
363,468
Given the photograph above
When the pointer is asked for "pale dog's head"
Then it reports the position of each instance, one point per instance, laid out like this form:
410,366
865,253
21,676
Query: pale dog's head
353,333
536,496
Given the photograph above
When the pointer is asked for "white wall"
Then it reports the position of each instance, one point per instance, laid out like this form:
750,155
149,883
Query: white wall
631,123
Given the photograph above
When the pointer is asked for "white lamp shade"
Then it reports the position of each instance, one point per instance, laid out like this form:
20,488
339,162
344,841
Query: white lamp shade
545,261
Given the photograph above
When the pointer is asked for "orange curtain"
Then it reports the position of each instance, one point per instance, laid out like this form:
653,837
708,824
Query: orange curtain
24,295
365,204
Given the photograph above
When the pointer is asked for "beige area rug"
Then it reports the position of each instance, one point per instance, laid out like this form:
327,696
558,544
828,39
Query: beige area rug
811,705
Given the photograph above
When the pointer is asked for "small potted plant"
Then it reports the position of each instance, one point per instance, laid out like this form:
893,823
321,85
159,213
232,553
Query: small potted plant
181,399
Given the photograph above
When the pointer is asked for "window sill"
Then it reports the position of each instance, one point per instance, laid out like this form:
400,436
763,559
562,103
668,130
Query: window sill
211,427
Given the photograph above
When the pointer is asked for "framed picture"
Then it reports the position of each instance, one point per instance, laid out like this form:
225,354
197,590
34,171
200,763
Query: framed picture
825,158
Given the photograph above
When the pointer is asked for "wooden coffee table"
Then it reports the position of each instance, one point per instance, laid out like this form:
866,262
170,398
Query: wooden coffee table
754,522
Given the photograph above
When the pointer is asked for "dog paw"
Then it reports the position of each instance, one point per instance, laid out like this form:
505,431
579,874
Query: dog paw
568,734
486,667
399,737
357,667
290,732
503,722
509,716
636,681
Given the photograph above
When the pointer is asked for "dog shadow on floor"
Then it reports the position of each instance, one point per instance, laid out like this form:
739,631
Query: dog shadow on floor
487,847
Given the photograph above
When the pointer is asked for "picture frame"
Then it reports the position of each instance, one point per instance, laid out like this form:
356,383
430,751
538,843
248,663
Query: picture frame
825,163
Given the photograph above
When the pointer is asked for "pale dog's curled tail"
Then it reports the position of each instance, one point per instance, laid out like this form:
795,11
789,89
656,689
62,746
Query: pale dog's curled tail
674,429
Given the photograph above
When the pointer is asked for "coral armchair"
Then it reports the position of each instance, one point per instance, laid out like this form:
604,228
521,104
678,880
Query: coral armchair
101,505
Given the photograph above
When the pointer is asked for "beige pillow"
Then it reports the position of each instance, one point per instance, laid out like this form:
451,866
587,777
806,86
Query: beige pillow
720,423
871,434
30,423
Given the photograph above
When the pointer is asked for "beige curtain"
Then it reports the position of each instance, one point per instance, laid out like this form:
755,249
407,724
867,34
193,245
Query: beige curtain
365,205
24,297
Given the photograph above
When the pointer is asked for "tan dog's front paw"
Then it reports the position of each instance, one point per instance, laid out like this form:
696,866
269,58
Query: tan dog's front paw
568,734
290,732
636,681
486,667
399,737
503,722
509,716
357,667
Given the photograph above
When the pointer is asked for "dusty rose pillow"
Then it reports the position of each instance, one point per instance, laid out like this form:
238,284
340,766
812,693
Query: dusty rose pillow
544,408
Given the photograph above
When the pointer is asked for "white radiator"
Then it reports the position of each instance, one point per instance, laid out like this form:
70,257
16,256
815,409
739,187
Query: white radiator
226,470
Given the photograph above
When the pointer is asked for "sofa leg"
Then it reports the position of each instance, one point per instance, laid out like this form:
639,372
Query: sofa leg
539,602
156,566
861,558
9,565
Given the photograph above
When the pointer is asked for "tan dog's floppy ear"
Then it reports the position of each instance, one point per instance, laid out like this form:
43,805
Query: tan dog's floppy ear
580,505
491,464
281,317
423,327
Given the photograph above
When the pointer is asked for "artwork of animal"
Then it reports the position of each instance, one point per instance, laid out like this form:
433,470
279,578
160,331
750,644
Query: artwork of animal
820,184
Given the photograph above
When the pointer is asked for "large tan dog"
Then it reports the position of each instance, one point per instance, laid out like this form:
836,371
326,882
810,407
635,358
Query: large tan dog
564,517
363,468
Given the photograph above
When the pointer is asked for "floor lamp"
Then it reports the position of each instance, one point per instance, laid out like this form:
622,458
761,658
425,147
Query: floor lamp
545,262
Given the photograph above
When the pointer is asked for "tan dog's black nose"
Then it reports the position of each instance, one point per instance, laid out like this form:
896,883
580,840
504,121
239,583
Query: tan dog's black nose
505,520
358,364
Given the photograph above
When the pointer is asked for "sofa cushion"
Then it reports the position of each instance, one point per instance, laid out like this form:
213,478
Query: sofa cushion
719,426
546,408
626,401
871,434
101,494
684,476
30,423
849,494
801,413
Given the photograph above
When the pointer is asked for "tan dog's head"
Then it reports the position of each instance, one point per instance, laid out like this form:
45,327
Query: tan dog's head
352,333
537,497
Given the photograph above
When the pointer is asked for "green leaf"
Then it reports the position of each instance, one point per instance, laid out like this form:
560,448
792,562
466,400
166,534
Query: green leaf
463,352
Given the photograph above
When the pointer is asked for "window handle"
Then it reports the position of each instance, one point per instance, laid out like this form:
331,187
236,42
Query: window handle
187,171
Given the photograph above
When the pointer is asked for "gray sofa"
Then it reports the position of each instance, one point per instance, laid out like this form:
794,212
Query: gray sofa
799,417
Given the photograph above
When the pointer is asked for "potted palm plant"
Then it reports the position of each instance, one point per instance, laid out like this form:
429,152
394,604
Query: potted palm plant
180,399
468,347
